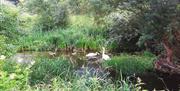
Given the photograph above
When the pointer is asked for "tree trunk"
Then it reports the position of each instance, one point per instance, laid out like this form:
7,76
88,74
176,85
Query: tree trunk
176,46
168,48
170,62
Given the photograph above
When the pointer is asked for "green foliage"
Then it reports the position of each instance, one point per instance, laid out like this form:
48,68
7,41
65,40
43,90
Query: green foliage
138,21
78,6
95,8
45,69
9,20
148,54
6,48
9,25
131,64
52,13
81,33
81,21
153,19
26,22
161,18
122,32
13,76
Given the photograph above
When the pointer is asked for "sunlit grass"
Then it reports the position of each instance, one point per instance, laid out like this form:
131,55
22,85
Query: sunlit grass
131,64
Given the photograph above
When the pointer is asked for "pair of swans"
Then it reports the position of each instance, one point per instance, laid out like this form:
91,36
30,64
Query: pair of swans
104,56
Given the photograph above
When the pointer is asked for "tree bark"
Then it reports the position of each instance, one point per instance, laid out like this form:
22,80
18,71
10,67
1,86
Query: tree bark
168,48
170,62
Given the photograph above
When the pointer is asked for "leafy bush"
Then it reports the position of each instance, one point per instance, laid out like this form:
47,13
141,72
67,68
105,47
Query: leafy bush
9,20
26,22
121,31
131,64
9,28
45,69
145,20
52,13
13,76
6,48
95,8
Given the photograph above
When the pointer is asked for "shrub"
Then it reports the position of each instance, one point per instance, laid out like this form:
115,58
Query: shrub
6,48
9,25
26,22
9,20
121,31
52,13
13,76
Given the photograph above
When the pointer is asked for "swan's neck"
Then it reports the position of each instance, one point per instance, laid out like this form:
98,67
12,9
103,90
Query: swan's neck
103,52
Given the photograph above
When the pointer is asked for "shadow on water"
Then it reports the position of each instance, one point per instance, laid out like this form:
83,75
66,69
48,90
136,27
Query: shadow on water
159,81
152,80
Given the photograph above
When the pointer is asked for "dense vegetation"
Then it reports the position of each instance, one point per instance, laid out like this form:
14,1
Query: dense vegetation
141,35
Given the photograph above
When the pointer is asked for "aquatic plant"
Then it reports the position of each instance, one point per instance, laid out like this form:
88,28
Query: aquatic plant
131,64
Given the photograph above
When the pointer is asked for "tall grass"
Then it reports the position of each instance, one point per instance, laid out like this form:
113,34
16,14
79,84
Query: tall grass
131,64
61,77
84,84
80,34
45,69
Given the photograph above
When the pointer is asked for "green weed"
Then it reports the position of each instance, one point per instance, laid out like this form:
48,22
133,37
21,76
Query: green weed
131,64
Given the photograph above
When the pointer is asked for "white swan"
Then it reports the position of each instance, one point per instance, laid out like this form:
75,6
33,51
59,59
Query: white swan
90,55
104,56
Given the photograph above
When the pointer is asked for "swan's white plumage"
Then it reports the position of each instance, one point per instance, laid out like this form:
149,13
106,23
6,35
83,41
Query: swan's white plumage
104,56
91,54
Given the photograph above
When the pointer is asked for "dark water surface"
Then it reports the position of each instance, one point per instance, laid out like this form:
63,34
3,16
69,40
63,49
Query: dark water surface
160,81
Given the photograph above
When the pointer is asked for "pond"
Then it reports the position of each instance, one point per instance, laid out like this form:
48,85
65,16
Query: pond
152,80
